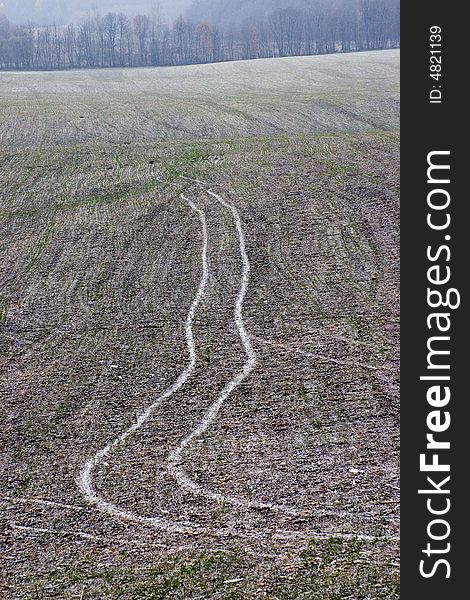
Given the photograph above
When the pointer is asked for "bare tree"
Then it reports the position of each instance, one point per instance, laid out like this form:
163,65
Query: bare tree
308,27
110,28
204,42
124,36
141,31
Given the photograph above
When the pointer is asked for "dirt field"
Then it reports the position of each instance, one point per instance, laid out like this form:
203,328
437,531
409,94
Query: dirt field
333,93
199,337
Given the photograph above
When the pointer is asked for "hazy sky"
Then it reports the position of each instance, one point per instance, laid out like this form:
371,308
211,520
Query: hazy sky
66,11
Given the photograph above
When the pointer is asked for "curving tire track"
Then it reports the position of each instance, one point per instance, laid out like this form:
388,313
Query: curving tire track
174,461
85,478
175,457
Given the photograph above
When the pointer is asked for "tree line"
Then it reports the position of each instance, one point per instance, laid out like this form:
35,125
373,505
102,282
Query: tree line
117,40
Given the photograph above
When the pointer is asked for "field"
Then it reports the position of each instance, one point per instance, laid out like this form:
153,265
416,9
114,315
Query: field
199,331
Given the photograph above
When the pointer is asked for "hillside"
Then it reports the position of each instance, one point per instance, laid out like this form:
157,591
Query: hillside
356,92
199,315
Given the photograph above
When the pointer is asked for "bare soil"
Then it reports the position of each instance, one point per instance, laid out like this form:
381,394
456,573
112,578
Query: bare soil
101,259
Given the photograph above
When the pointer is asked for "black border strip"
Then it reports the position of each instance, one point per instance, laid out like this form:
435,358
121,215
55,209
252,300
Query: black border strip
428,127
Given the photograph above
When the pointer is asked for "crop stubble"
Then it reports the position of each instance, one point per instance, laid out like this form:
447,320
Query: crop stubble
100,262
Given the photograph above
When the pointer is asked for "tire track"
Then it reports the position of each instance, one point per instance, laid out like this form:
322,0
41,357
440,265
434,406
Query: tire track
174,462
85,478
42,502
319,356
56,532
175,459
